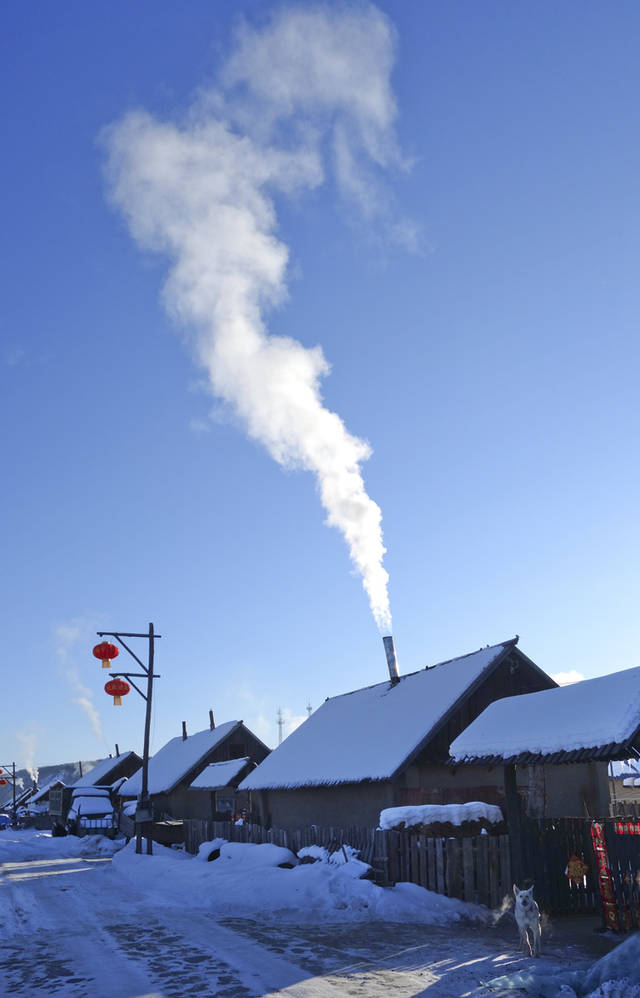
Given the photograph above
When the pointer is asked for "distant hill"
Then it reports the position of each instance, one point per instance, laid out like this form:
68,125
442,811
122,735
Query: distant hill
68,772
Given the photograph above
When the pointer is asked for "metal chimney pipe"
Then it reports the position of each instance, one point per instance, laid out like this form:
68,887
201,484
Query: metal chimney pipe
392,661
184,731
117,750
212,723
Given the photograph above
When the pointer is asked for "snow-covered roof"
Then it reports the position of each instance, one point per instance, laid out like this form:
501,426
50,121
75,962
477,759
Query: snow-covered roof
218,774
371,733
176,759
600,714
624,767
100,772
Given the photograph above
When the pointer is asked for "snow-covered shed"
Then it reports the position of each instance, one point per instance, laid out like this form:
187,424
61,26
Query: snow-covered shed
217,787
587,723
388,745
39,802
173,769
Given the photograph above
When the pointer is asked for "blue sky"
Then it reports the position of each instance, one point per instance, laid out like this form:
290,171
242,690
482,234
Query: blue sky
490,359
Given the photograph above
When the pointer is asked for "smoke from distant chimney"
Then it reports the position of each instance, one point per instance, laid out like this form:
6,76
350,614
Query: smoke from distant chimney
203,192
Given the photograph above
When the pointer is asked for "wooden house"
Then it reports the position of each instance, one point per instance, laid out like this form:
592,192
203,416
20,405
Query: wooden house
173,769
563,739
388,745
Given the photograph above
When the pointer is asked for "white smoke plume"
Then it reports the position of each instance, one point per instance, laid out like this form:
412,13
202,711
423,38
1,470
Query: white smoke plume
29,741
67,636
310,88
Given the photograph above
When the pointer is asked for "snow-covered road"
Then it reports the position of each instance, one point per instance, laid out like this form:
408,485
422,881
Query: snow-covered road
73,925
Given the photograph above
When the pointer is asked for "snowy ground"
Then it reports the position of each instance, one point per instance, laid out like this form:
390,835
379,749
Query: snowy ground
75,923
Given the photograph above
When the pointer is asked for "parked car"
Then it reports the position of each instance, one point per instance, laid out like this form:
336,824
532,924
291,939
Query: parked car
91,812
5,821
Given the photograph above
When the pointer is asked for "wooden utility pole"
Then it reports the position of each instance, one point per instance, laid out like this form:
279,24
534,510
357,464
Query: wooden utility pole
144,816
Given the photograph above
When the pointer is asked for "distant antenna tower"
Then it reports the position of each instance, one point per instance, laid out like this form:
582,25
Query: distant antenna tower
309,708
280,725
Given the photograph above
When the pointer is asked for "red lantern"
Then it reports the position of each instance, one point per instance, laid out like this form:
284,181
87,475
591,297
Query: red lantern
3,783
117,688
106,651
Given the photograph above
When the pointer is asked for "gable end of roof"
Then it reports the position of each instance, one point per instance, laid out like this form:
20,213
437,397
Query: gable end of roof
507,647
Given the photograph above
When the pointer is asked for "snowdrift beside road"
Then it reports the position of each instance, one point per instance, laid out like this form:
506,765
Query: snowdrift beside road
34,844
246,881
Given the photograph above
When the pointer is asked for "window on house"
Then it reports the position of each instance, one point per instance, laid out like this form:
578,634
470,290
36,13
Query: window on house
224,803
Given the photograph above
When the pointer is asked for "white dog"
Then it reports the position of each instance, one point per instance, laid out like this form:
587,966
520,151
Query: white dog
528,920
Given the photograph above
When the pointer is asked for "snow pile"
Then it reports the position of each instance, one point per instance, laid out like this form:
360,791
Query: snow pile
246,880
616,989
313,854
429,814
210,850
616,975
257,856
34,844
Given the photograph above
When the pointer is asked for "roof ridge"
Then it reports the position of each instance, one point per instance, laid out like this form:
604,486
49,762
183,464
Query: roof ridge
424,668
456,658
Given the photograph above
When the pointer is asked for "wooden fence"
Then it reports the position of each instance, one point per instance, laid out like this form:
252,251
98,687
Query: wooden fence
475,868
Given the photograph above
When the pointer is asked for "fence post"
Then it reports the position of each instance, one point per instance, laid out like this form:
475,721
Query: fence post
380,859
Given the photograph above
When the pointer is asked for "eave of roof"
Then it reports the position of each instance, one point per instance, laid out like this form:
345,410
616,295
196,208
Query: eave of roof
614,751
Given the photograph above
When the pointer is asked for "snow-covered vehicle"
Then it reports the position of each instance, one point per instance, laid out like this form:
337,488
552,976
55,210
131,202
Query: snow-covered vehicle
91,812
5,820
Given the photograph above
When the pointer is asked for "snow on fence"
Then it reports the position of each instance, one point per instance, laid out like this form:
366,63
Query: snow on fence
362,839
